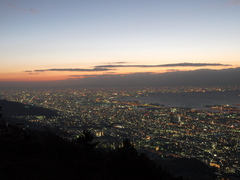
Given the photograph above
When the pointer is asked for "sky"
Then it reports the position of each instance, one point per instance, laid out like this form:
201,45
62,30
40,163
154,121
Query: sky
118,42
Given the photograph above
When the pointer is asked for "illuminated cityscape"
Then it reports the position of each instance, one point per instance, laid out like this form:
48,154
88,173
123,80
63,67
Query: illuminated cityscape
158,77
210,134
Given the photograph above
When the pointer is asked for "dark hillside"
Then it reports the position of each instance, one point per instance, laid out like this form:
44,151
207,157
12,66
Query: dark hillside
43,155
18,109
28,154
190,168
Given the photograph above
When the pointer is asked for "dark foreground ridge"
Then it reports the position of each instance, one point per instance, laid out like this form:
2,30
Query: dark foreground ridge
10,108
31,154
43,155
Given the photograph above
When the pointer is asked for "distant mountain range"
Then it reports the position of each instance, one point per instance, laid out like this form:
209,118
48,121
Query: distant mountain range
200,77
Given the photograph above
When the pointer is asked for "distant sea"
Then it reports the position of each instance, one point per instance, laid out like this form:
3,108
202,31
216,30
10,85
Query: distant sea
195,100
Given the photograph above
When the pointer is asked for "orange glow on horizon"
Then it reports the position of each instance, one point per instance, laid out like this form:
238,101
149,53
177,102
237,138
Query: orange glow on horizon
23,76
63,75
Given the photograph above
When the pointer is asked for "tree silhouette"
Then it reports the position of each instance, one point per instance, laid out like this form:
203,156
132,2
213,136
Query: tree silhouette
1,122
126,163
0,110
128,148
85,140
127,144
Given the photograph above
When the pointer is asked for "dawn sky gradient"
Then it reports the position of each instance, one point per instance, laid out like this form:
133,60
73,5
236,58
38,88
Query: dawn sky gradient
44,40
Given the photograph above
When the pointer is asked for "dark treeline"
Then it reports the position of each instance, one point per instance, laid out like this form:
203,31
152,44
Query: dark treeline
32,154
27,154
43,155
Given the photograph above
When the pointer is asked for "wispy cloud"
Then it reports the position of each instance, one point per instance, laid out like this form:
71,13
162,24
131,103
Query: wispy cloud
121,62
39,70
32,72
172,70
200,77
226,3
80,76
166,65
234,2
73,69
111,67
13,6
